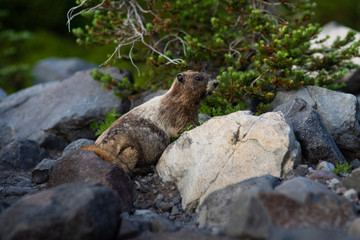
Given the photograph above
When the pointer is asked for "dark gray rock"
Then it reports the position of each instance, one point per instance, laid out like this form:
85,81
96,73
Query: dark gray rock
316,143
339,112
352,181
65,108
214,210
128,229
296,204
309,233
161,224
71,211
353,83
6,134
41,173
76,145
58,69
181,235
21,155
86,166
355,163
16,184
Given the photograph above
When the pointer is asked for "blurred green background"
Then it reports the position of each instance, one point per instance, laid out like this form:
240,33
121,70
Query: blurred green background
34,30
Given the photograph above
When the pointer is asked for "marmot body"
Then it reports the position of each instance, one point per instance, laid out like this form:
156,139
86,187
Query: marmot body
139,137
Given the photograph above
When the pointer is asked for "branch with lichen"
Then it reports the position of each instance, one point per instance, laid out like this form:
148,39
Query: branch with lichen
129,30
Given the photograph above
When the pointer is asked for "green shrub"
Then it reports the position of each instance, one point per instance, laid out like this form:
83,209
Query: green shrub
13,75
342,168
110,117
255,48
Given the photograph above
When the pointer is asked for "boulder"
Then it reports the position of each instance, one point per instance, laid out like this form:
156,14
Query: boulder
6,133
65,108
339,113
71,211
296,204
214,210
22,155
86,166
316,142
41,173
58,69
226,150
76,145
352,180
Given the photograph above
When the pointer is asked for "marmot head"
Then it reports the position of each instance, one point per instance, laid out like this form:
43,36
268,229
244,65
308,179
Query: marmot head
196,84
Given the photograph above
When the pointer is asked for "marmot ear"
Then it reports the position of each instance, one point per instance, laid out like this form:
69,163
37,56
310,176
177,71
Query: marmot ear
180,77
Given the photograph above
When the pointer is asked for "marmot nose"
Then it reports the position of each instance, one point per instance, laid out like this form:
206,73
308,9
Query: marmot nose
216,83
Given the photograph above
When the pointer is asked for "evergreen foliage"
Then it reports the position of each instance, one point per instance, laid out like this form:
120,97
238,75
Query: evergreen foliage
110,117
255,48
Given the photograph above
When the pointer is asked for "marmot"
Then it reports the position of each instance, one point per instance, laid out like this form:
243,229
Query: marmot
139,137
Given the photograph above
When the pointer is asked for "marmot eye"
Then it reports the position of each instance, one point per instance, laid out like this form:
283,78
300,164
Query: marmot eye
197,78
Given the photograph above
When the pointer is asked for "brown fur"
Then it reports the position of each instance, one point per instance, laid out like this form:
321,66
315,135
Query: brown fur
139,137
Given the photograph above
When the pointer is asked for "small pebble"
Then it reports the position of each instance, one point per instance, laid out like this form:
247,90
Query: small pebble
340,190
174,211
173,188
144,180
159,197
166,206
324,165
333,181
351,194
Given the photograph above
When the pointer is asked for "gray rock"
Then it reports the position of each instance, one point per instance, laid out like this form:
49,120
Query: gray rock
353,180
6,133
41,173
76,145
165,206
297,205
309,233
322,175
326,166
16,184
71,211
146,96
86,166
58,69
354,229
214,210
161,224
65,108
355,163
298,188
128,229
181,235
21,155
339,112
316,143
3,94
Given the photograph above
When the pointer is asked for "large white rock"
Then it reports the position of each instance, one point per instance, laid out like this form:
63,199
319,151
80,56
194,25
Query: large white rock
227,150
